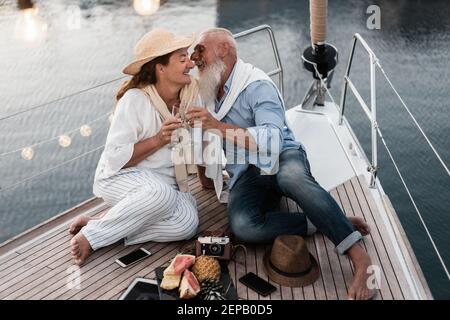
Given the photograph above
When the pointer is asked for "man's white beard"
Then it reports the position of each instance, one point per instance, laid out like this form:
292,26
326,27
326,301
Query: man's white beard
209,80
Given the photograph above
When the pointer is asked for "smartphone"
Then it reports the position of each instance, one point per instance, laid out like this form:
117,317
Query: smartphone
133,257
257,284
141,289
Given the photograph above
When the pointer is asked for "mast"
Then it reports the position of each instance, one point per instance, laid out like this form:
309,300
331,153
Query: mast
320,58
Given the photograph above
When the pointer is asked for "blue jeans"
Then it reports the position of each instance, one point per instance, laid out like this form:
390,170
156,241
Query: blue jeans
254,197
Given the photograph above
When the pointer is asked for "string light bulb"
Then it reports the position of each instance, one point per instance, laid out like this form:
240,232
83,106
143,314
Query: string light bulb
146,7
85,130
27,153
64,141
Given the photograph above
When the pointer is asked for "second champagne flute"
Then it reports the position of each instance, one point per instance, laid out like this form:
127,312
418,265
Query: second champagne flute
175,138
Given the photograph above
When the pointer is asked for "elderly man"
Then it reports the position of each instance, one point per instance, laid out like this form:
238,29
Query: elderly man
245,107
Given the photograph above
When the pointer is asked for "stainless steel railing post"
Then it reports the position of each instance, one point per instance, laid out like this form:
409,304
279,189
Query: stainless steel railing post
279,69
373,108
344,85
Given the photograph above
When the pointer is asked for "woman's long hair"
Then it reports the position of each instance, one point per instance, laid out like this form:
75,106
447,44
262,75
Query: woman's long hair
146,76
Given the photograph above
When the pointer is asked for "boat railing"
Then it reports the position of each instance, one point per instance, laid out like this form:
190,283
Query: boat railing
371,113
279,68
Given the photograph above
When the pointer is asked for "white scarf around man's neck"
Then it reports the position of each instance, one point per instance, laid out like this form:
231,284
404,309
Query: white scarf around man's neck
244,74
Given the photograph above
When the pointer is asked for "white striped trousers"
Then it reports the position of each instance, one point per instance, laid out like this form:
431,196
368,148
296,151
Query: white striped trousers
144,208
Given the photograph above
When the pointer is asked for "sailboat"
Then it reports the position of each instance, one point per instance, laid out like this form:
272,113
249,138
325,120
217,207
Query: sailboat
37,263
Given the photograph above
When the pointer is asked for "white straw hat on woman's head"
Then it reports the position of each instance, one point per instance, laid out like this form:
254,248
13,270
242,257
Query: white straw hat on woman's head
156,43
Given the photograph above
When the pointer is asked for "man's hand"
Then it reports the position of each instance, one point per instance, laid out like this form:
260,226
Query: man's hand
206,119
235,134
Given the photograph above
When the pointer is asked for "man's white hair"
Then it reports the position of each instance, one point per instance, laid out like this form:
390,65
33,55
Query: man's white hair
223,34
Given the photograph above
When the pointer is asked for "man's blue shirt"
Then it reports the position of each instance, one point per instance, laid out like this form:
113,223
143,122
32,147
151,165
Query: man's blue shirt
259,109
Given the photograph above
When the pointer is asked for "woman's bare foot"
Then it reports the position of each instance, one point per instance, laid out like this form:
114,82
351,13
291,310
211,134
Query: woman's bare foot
80,248
360,225
78,223
358,289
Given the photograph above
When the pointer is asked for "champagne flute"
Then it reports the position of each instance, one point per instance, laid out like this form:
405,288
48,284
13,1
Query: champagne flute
175,110
175,139
183,115
188,126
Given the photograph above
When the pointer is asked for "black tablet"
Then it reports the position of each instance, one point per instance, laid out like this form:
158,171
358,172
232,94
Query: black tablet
141,289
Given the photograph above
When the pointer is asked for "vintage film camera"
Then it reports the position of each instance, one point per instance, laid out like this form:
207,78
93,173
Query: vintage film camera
217,247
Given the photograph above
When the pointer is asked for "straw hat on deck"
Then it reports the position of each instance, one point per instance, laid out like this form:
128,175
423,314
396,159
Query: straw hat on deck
289,262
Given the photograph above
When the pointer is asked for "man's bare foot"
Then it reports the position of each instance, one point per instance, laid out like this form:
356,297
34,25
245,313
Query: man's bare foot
78,223
360,225
207,183
358,289
80,248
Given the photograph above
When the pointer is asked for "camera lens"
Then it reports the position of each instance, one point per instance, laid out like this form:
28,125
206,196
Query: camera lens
215,249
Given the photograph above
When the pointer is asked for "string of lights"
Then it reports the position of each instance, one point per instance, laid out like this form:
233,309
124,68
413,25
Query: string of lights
11,186
64,140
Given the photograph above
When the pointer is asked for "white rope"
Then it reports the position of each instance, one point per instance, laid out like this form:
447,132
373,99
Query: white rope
414,204
414,119
48,170
55,137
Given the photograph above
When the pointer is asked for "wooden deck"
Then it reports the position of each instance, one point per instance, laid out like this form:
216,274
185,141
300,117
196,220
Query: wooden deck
37,264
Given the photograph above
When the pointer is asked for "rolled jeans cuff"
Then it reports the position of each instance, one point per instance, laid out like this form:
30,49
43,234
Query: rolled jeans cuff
348,242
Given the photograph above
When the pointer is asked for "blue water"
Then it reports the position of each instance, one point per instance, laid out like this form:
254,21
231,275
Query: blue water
413,46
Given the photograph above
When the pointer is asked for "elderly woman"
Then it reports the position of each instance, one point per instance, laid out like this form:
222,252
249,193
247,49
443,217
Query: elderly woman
137,174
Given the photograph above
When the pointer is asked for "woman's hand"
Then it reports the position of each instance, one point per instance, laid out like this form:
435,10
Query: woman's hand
146,147
165,133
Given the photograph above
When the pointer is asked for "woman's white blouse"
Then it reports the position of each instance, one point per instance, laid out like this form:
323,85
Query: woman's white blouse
135,119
